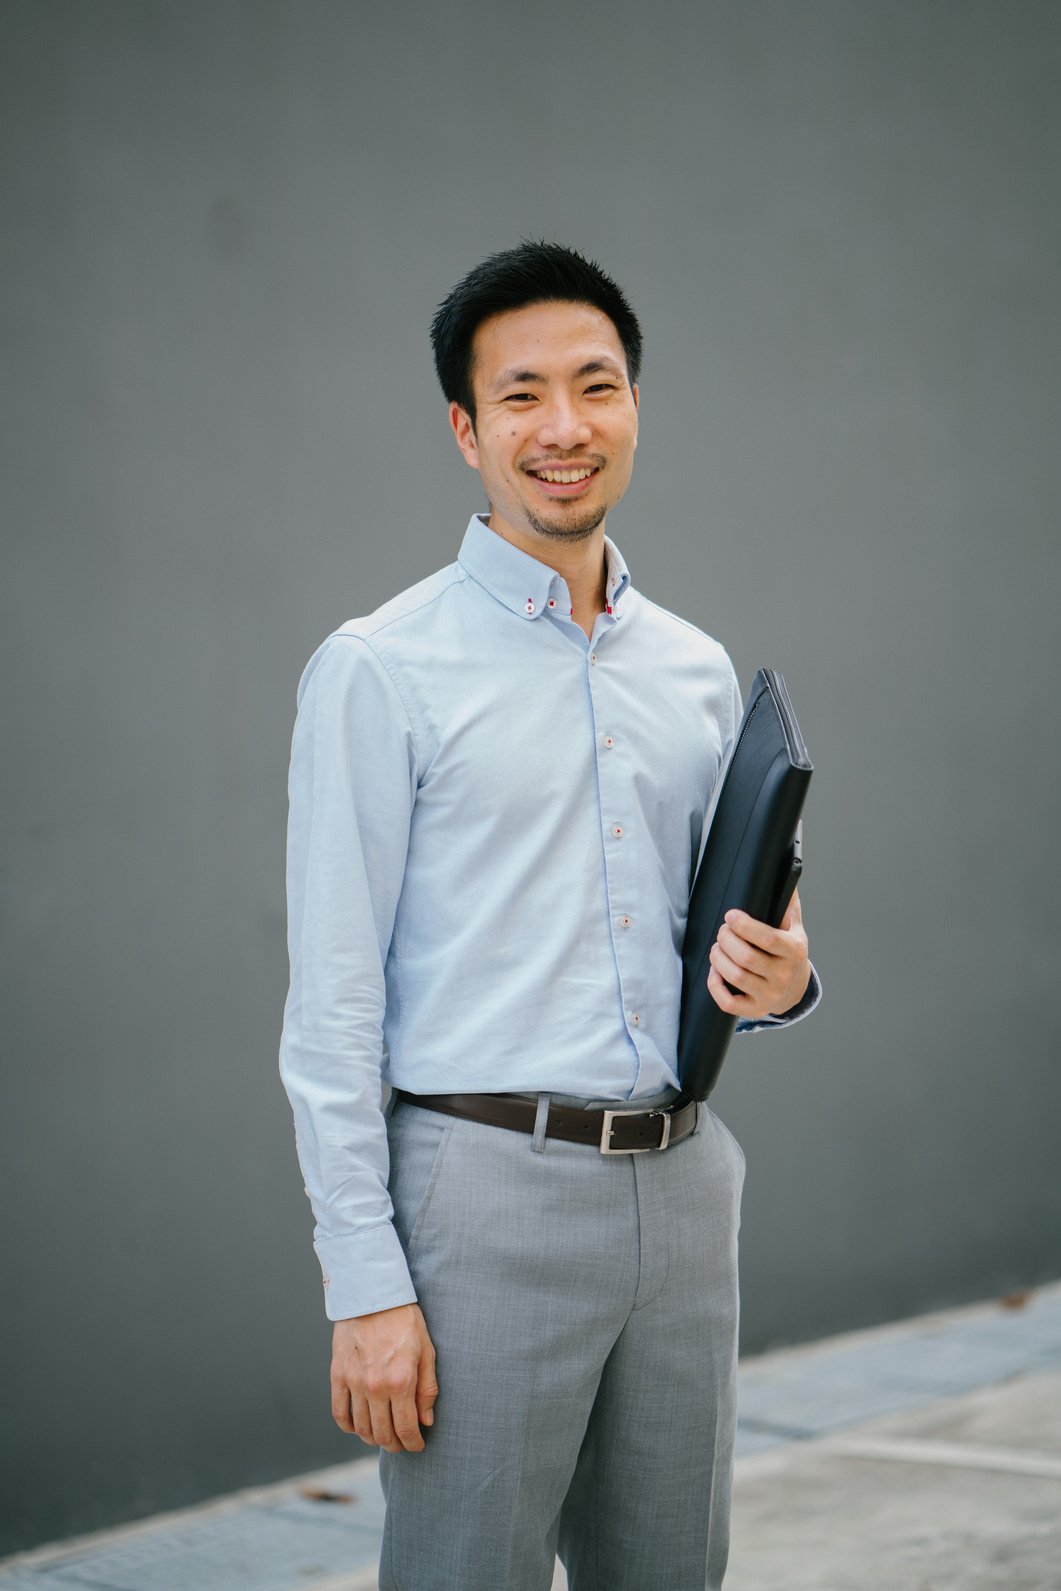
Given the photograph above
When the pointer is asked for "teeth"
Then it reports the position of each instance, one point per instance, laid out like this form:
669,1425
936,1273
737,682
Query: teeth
563,477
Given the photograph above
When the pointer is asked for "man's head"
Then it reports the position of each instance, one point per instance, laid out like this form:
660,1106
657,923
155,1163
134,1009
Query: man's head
538,352
532,273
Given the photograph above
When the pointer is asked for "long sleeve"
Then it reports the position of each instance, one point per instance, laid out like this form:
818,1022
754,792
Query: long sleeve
352,787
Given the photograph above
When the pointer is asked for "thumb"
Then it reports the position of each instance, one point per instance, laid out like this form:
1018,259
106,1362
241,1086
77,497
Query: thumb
793,913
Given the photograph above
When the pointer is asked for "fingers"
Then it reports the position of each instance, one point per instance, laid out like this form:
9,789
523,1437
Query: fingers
773,941
381,1413
341,1411
382,1425
753,932
362,1418
724,997
757,970
737,980
384,1419
426,1388
405,1426
352,1414
740,956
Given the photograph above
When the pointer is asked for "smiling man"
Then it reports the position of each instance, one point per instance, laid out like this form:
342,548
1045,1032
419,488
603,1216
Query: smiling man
499,784
550,422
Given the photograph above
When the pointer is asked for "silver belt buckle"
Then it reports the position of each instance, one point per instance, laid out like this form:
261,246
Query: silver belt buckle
606,1132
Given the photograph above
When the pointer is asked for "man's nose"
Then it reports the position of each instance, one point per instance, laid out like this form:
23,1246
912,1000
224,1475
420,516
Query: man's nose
561,425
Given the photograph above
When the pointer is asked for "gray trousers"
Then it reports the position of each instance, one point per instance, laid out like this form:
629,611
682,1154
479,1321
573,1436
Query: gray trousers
584,1313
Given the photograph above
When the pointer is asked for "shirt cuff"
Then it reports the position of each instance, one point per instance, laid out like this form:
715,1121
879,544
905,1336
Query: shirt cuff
810,1002
364,1272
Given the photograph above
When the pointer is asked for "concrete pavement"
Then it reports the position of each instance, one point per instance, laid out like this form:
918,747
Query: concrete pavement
922,1456
961,1494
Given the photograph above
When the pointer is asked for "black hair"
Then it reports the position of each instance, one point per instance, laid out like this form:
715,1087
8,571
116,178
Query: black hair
531,273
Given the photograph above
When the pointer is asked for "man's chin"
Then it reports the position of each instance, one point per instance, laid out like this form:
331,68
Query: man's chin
569,527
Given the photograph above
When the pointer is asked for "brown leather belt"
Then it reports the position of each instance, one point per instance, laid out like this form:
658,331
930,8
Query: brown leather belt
613,1132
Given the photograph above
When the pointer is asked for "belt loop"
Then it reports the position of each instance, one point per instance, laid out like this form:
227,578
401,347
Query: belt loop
541,1122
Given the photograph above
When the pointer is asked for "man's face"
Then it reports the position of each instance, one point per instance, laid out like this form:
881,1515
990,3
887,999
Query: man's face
556,420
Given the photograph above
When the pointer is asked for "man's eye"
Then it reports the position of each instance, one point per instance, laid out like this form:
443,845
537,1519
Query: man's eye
602,386
519,397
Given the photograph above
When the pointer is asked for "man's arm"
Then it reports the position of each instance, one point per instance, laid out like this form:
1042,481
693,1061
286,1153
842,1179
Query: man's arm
352,788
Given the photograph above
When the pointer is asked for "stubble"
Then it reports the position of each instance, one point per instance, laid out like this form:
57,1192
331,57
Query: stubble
574,529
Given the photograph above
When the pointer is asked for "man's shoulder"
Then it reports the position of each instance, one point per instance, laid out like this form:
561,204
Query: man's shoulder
411,604
664,628
384,638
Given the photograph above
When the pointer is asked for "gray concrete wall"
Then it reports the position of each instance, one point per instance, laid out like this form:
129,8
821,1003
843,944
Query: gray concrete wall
225,226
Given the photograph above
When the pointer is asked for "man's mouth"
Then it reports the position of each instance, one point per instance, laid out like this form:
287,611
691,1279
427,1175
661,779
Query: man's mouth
568,477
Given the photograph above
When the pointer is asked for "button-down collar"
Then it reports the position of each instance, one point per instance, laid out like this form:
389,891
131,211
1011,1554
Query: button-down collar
526,586
617,578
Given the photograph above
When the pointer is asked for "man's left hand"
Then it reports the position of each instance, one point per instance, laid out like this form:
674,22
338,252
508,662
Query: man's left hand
768,969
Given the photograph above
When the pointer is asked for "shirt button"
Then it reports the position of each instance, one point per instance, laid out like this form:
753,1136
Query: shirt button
530,605
552,602
624,922
593,657
617,830
635,1018
609,742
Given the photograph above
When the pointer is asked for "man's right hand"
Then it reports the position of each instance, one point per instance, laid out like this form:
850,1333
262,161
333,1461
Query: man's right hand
383,1378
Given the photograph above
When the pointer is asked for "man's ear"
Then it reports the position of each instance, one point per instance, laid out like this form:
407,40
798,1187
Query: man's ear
464,431
637,401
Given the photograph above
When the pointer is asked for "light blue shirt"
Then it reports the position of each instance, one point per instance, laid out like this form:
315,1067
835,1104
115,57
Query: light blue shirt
494,827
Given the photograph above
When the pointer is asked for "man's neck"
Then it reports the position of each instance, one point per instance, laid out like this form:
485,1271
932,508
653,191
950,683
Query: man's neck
582,564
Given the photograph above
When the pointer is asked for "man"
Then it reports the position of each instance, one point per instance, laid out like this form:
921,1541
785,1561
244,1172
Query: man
498,789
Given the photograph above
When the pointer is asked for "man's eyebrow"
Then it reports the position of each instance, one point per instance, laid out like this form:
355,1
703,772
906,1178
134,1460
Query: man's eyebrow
517,377
595,366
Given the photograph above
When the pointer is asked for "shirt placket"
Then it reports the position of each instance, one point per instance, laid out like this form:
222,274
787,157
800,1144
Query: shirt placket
619,831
